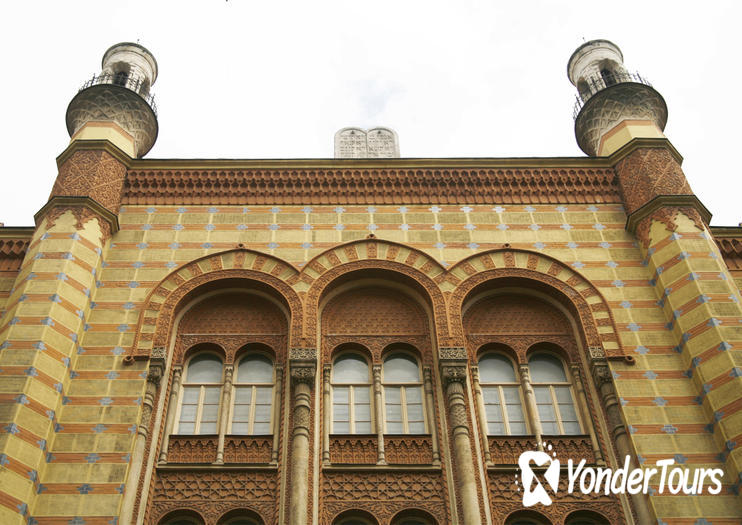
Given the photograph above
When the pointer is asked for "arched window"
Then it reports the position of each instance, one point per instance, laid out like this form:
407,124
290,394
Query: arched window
253,396
199,405
182,518
527,518
502,396
121,78
351,395
586,517
608,77
553,391
403,395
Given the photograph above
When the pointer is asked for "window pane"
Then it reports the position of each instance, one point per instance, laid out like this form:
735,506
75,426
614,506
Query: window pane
350,368
543,395
567,412
414,412
401,368
188,413
186,428
549,428
255,369
495,429
414,394
511,394
563,394
363,427
264,395
339,427
391,394
243,395
240,428
262,413
394,427
340,394
518,428
416,427
491,394
571,428
208,427
211,396
262,428
190,395
546,369
362,394
204,368
340,412
546,413
494,368
362,413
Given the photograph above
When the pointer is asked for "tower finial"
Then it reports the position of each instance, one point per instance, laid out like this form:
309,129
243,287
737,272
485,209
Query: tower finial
613,105
117,104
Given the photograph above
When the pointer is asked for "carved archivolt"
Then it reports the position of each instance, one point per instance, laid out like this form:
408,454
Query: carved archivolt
516,267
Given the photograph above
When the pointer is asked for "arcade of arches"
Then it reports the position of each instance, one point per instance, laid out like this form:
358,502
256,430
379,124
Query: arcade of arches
379,425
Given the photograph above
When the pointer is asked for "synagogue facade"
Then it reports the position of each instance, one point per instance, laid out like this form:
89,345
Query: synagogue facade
368,339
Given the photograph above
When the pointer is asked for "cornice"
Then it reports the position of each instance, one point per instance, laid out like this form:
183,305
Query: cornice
663,201
643,142
395,163
726,232
20,233
85,202
98,145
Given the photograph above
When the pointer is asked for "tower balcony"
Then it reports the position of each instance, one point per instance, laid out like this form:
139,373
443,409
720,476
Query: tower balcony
610,99
138,85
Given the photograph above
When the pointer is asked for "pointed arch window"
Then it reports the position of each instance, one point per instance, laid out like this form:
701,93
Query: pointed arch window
253,396
502,396
199,403
553,392
403,395
351,395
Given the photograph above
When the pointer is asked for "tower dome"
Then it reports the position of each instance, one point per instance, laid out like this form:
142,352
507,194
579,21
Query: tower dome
613,104
117,104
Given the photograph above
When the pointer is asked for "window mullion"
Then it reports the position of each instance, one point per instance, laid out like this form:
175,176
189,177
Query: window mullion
403,407
199,408
555,403
503,409
351,411
251,413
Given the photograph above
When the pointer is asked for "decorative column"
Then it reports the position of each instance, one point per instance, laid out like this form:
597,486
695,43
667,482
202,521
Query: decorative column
224,413
585,413
453,364
381,460
535,421
277,413
430,409
327,416
482,414
606,389
303,367
171,410
154,375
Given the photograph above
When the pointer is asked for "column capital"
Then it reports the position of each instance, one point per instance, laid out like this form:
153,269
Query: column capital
303,365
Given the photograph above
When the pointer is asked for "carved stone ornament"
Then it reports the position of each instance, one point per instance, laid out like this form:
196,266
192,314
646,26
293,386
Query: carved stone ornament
309,354
303,363
453,373
452,353
602,374
596,352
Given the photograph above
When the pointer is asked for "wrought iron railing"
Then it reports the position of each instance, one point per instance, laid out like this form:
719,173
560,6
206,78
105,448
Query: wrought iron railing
600,82
135,84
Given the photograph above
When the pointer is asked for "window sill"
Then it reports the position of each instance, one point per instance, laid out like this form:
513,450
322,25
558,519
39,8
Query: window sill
226,466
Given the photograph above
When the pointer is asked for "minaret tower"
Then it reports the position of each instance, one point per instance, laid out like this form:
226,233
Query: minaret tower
620,116
613,105
117,104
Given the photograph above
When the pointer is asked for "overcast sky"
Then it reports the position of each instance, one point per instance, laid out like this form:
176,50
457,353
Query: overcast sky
276,79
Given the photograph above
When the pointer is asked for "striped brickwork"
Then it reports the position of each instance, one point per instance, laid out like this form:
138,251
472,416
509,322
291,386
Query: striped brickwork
701,303
71,405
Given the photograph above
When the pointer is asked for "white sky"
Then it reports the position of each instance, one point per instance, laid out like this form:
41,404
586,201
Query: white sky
276,79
